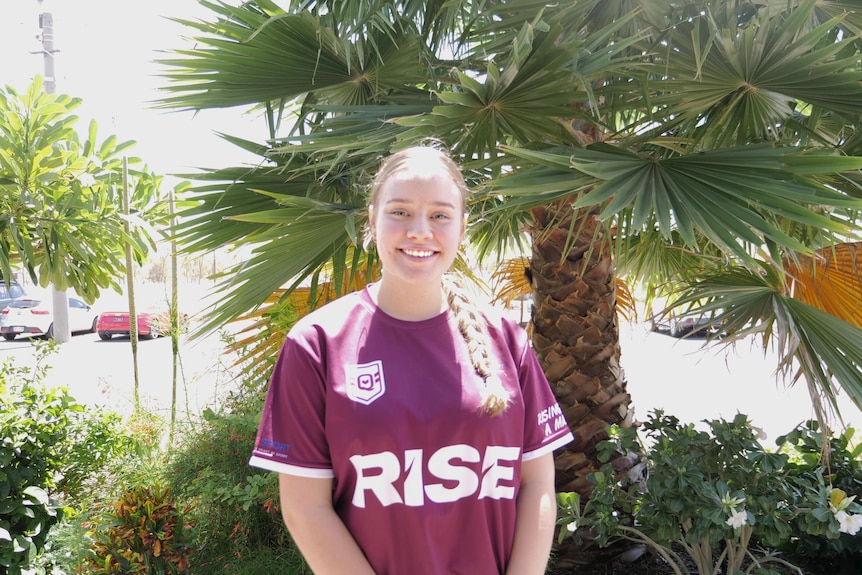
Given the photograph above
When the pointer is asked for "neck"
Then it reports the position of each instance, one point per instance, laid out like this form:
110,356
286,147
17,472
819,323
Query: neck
408,303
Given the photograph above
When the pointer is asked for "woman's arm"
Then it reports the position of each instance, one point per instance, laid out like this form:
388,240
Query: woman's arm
537,515
306,506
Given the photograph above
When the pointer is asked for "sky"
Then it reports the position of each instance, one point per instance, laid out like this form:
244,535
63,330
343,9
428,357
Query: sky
105,56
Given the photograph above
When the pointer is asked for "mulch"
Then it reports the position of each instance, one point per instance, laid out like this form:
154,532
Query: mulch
636,560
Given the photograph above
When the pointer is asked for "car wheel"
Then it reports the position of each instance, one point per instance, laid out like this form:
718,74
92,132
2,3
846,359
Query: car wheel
154,330
49,333
8,336
95,324
675,330
105,336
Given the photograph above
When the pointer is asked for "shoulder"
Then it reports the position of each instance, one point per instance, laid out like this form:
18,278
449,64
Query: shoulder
332,317
503,328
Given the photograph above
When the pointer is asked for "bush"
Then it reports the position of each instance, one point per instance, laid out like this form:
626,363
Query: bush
234,505
101,442
805,445
143,532
56,458
34,422
66,548
712,495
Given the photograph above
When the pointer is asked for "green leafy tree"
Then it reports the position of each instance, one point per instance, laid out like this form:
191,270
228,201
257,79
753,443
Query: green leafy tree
61,217
708,148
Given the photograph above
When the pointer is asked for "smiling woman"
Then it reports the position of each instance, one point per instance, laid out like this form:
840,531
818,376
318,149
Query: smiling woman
408,427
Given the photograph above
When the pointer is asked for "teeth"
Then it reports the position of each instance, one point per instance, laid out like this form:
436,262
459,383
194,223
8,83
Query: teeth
419,253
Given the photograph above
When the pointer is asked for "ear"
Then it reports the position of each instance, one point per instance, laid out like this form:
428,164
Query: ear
464,225
371,222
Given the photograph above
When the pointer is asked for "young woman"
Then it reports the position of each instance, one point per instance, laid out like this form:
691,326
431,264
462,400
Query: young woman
412,433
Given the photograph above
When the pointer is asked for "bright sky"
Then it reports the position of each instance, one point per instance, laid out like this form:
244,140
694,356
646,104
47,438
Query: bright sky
106,52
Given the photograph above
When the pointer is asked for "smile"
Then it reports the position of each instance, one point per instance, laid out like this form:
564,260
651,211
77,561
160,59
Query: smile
419,253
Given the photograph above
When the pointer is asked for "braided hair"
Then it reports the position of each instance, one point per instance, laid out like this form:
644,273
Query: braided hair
471,325
469,319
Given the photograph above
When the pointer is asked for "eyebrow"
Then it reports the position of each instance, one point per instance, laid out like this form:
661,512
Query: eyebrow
406,201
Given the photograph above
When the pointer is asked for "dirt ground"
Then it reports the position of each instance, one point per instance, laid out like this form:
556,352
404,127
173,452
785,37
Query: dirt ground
640,561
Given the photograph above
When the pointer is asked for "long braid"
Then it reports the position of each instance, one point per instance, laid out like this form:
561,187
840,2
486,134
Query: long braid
495,398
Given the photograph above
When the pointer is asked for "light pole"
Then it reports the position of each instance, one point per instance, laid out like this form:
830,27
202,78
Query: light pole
61,329
46,24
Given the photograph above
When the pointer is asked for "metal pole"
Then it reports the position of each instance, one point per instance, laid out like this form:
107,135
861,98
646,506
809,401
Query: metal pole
60,331
46,24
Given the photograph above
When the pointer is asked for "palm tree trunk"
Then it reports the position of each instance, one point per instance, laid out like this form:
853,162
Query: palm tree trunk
576,337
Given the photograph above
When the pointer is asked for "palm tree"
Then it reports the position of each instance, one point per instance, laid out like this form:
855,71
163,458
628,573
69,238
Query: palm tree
681,144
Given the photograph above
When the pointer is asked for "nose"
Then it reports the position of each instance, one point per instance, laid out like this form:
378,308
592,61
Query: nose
420,228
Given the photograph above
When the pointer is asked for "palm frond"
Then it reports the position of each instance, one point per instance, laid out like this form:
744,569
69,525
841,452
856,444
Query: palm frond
830,280
815,346
725,85
702,194
249,56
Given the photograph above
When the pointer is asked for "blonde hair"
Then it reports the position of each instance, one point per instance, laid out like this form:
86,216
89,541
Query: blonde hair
430,160
420,160
471,325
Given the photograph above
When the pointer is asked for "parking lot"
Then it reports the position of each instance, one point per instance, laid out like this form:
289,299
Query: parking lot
101,373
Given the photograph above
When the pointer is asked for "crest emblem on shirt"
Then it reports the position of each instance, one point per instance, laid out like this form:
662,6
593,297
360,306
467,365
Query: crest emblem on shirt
365,382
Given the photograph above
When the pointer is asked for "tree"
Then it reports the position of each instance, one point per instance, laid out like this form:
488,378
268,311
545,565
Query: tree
61,212
692,147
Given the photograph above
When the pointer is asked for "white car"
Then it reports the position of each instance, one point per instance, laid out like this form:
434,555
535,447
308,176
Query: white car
35,317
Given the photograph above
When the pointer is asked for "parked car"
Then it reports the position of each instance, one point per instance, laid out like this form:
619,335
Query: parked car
152,322
35,317
678,323
9,294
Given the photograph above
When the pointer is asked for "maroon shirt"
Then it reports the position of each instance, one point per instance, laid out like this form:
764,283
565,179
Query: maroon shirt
423,479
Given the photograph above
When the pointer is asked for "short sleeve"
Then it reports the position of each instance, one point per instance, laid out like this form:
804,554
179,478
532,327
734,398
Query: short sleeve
291,437
545,426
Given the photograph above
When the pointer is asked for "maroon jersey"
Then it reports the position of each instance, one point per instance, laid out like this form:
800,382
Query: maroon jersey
424,480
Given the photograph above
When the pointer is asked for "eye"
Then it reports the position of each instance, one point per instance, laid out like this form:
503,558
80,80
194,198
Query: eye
398,212
442,216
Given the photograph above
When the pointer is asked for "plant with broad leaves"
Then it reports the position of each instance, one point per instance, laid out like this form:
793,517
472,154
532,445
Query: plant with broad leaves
33,452
712,494
806,446
142,532
62,218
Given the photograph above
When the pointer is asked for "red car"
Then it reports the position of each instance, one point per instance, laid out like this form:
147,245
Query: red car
151,323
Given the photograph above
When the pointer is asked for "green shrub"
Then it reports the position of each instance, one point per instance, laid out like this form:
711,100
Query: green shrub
102,442
713,495
143,532
235,506
805,445
34,424
56,458
66,548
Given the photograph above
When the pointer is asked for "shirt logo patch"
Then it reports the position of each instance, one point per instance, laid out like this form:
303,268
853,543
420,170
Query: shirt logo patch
365,382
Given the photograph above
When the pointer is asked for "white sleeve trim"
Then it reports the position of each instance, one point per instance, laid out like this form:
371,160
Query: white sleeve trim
270,465
548,447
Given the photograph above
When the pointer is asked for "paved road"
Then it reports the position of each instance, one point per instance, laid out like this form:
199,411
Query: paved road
678,375
100,372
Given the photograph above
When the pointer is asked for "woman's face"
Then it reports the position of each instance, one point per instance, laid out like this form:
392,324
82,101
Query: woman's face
417,222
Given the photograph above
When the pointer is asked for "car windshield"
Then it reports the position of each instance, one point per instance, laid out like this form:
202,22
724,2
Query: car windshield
25,303
13,291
